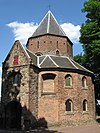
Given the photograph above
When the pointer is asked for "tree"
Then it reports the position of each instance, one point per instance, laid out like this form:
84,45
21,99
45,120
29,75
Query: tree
90,35
80,59
90,38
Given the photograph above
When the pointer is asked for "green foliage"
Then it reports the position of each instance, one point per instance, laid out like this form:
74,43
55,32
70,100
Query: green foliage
90,32
90,35
80,59
90,38
92,7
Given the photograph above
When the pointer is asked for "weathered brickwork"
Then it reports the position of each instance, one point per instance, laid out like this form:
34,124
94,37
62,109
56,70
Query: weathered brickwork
77,94
38,102
53,89
48,102
49,44
52,106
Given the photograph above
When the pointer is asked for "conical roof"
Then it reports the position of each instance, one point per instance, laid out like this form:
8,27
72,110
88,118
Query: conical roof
49,25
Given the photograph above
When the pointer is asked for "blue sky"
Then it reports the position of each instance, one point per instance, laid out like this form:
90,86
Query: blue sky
19,19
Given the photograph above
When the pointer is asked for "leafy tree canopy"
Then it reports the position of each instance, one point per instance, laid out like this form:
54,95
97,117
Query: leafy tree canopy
90,34
92,7
90,39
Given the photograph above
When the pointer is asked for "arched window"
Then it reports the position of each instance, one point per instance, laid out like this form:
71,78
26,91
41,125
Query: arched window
69,105
38,54
57,52
68,80
84,82
85,105
48,82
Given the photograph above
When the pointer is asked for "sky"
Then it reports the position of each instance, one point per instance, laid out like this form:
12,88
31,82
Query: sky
20,18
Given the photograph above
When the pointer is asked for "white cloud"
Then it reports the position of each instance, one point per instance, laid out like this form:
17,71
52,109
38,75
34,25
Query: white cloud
72,31
22,31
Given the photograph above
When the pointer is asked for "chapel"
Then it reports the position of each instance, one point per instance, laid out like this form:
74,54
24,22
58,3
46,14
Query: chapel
42,83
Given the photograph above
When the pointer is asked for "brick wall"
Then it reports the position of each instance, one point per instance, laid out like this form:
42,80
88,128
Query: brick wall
52,106
49,44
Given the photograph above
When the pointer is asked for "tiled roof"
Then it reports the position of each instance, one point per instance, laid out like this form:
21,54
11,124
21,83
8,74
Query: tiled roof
47,62
52,61
32,56
49,25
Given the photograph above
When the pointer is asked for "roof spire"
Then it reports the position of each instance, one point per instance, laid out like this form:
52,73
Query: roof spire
49,25
49,6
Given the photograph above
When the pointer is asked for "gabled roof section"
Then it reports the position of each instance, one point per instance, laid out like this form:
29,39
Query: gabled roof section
47,62
17,42
52,61
80,67
49,25
32,56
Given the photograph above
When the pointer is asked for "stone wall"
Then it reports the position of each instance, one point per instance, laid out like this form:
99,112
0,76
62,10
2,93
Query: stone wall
38,103
9,70
33,91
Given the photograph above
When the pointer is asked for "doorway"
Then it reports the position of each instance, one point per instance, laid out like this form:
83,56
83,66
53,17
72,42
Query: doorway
13,115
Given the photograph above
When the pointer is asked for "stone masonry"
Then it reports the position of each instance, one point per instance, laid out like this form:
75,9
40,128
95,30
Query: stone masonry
42,82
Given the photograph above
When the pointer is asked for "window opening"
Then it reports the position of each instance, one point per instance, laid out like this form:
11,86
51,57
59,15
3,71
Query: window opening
84,82
85,105
68,105
57,52
68,80
15,62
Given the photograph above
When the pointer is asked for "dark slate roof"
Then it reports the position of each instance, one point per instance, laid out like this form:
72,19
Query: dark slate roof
49,25
32,56
54,61
47,62
63,62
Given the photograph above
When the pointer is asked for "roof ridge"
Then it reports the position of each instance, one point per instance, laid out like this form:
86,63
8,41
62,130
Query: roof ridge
25,51
53,61
58,23
64,56
48,26
30,52
43,60
72,63
83,67
38,62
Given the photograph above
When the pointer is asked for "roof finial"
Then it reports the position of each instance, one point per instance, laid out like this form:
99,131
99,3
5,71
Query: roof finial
49,7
